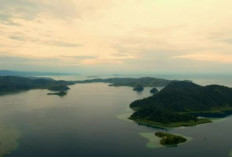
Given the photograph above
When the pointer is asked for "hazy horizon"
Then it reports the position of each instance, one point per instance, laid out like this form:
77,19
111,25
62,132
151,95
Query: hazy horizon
118,74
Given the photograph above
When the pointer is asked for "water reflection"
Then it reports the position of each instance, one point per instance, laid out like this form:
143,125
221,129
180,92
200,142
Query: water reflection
85,123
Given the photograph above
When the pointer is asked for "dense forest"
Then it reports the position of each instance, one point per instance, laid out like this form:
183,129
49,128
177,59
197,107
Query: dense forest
181,103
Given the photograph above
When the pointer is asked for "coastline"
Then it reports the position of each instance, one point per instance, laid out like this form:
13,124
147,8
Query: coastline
171,125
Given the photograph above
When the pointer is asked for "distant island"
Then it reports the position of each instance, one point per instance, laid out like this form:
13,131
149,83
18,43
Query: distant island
131,82
183,103
168,139
9,84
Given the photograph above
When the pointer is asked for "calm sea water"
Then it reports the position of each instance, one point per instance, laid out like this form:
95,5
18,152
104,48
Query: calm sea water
86,123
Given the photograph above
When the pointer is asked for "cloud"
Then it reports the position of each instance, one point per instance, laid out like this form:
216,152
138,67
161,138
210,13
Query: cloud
79,57
31,9
129,33
208,57
107,60
18,9
17,37
4,19
61,44
228,40
38,41
25,60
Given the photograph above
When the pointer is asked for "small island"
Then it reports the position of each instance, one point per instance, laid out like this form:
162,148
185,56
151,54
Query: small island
183,103
154,91
170,139
138,88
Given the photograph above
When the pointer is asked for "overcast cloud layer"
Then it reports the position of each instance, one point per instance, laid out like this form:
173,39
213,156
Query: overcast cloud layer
153,36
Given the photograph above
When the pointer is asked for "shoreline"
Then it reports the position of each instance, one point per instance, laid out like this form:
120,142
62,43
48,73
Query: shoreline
171,125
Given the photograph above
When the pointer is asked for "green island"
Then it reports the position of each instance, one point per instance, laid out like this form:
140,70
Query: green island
11,84
183,103
170,139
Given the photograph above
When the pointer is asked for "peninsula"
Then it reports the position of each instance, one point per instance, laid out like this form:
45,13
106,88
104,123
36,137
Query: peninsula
9,84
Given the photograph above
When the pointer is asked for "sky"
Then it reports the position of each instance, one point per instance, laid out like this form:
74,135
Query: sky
116,36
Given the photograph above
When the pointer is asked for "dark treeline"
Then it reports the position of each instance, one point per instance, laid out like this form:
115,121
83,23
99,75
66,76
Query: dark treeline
132,82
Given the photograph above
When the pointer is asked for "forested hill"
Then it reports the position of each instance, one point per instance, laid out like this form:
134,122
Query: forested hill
132,82
14,83
183,101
